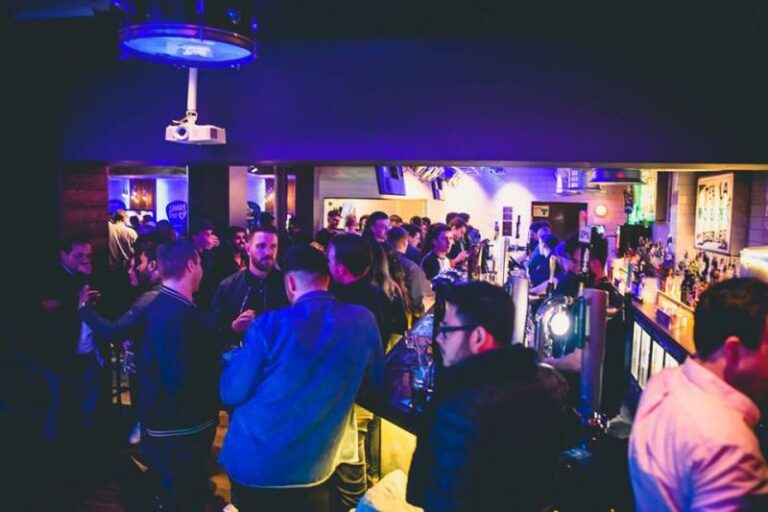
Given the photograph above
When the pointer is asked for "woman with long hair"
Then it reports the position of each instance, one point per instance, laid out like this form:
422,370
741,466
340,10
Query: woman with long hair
396,293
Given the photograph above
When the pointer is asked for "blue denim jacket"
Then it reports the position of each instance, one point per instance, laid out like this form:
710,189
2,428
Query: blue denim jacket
292,386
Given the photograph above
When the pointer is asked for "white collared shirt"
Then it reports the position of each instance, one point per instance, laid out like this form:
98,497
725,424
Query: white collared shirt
693,445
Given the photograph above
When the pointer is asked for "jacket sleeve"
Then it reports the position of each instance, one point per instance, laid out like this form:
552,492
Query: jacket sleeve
446,464
430,266
244,371
124,327
220,311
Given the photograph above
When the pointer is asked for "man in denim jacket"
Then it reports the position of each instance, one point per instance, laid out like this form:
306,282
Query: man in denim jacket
292,386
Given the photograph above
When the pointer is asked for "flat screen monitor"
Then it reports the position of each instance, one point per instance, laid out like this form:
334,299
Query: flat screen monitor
390,180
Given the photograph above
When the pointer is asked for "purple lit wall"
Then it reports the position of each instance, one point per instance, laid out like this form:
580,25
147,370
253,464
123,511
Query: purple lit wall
377,101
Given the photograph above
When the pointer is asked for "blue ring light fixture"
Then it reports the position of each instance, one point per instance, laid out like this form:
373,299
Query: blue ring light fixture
185,33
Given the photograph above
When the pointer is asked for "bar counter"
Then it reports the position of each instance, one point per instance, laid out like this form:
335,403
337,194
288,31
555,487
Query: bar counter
652,345
393,403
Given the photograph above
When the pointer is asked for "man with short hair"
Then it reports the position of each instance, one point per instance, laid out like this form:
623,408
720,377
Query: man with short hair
395,221
232,256
418,286
144,274
459,252
203,236
67,345
178,372
146,281
536,231
693,445
331,229
316,352
568,254
497,422
247,294
376,227
413,249
121,240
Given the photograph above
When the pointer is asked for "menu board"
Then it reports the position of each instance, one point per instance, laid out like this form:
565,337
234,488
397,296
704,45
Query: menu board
714,211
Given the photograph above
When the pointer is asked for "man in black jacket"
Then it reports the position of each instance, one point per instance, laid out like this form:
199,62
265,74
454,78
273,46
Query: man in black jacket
68,348
178,372
247,294
498,420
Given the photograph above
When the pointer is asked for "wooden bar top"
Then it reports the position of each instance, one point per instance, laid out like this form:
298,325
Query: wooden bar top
682,336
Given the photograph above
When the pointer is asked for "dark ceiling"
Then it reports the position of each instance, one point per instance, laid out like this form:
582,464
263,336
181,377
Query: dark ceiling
610,23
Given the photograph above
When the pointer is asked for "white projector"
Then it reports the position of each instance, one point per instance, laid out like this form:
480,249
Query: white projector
191,133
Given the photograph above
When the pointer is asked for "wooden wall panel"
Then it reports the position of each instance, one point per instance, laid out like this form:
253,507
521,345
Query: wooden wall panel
83,197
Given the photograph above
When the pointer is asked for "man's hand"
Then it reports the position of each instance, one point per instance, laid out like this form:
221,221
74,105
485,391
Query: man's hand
243,321
460,258
88,296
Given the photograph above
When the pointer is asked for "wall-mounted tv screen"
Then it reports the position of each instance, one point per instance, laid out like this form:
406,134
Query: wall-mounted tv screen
390,180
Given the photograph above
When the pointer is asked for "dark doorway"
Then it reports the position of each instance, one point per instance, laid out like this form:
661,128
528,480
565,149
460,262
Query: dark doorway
565,218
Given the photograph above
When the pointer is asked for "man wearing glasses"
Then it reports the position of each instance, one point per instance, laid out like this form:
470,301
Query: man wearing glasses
493,432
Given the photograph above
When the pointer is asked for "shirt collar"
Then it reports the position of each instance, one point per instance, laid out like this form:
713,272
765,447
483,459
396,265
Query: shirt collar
173,293
320,294
712,384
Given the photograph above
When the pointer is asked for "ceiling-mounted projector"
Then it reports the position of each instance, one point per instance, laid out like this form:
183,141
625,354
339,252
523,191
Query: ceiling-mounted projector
191,133
186,130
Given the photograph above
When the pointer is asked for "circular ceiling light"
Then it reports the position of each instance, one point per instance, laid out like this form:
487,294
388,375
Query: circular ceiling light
188,33
601,210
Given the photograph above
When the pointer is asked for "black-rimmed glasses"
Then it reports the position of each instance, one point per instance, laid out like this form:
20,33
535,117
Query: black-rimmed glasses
445,330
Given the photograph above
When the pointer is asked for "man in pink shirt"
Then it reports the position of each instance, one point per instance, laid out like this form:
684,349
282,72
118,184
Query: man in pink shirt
693,445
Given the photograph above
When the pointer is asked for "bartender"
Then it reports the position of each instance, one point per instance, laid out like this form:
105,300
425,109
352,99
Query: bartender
539,273
568,254
537,230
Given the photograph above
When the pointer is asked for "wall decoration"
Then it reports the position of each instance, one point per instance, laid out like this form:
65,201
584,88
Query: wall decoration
142,194
644,199
177,212
714,211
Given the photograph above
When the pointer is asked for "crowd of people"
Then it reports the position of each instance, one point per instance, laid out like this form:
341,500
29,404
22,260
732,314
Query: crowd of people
285,336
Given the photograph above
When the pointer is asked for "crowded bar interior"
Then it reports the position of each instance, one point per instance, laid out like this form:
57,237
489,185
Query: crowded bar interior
332,256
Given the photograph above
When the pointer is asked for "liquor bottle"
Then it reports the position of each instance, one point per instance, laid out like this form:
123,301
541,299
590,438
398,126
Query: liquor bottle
705,267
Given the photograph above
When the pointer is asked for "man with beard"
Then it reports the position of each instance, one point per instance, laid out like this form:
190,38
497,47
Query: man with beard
494,412
68,347
145,278
243,296
230,257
